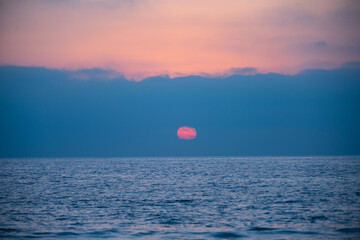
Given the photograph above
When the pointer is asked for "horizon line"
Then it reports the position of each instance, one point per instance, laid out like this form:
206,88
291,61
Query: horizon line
202,156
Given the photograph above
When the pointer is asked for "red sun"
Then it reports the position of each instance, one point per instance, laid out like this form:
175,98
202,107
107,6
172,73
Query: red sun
187,133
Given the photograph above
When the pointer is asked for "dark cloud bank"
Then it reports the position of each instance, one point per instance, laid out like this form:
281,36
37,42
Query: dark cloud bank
48,113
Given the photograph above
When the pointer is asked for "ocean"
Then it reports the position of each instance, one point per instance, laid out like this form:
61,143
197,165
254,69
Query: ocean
181,198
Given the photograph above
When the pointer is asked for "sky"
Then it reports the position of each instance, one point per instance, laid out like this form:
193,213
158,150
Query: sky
142,38
98,78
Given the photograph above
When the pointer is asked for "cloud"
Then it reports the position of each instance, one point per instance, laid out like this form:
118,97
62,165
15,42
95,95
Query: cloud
321,44
143,38
347,14
243,71
355,65
95,74
290,16
323,54
45,112
91,3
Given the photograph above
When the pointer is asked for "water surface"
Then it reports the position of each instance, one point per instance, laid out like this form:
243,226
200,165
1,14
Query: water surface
181,198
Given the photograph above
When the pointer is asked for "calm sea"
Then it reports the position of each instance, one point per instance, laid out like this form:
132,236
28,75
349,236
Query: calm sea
181,198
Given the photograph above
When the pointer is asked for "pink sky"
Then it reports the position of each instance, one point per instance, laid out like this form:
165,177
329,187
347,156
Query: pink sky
141,38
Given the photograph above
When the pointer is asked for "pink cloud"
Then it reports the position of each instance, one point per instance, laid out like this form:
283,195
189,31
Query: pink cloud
145,38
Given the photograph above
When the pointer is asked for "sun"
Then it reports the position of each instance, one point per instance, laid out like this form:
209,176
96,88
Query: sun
186,133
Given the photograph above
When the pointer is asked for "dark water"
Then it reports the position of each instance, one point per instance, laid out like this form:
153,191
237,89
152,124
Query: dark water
181,198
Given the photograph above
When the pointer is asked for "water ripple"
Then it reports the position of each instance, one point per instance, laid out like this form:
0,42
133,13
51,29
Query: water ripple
181,198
